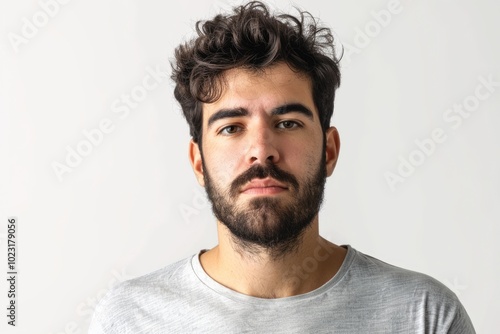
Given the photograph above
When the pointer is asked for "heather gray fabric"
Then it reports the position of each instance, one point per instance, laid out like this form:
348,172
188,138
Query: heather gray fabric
365,296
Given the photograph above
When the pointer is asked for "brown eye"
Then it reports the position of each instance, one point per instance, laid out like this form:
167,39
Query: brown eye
229,130
287,125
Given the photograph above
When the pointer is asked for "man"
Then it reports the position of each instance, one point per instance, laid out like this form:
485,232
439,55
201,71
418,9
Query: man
257,91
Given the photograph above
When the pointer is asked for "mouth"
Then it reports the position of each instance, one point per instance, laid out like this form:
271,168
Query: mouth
265,186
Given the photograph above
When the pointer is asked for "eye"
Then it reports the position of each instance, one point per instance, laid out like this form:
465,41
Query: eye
288,125
229,130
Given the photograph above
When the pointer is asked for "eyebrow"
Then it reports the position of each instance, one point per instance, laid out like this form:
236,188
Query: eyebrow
281,110
292,107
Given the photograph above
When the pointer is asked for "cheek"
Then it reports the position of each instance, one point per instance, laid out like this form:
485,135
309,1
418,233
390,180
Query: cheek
304,160
223,163
303,152
221,169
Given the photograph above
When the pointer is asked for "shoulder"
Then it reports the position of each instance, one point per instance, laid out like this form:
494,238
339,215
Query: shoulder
413,293
167,277
128,299
372,271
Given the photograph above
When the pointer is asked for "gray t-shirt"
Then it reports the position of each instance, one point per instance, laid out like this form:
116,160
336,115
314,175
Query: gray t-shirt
365,296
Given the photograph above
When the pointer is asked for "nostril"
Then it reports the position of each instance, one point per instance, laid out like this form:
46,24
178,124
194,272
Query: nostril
262,152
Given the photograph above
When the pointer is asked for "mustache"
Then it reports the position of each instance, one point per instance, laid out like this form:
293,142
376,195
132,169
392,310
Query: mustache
261,172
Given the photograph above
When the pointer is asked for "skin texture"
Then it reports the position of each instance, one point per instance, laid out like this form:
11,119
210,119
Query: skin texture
259,136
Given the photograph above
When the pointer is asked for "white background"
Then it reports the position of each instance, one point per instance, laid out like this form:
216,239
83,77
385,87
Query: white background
132,204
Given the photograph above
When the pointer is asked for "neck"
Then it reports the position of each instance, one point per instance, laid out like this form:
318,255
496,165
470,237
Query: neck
259,272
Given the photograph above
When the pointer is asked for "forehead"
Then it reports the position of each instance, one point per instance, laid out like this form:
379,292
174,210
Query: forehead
262,90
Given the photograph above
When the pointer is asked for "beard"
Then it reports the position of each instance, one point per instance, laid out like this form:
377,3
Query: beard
268,224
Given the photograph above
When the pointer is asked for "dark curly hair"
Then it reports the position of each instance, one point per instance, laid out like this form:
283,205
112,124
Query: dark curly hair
253,39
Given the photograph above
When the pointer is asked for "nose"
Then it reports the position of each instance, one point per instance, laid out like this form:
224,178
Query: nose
262,146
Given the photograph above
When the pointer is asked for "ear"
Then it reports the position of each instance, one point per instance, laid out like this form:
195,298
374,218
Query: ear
195,159
332,149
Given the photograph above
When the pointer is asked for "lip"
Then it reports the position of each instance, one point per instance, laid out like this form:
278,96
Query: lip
263,187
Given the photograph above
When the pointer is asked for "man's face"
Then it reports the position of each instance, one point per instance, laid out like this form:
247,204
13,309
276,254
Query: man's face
264,158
